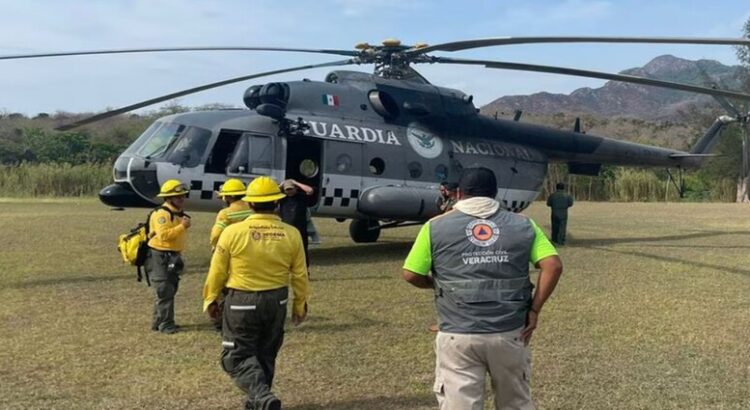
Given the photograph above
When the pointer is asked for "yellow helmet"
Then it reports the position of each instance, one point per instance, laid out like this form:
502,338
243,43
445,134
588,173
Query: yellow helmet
263,189
232,187
173,187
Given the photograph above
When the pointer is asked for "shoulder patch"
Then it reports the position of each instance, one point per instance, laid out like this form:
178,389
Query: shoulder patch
162,220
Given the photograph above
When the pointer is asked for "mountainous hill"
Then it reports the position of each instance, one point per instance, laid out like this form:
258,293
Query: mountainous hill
632,100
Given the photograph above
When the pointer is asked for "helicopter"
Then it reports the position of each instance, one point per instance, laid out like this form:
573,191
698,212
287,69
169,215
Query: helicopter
374,146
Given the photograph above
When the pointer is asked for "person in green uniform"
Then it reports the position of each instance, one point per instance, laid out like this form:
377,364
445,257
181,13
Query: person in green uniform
559,201
447,196
479,257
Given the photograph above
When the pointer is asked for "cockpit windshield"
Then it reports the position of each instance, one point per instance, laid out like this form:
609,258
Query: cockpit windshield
177,143
190,146
161,139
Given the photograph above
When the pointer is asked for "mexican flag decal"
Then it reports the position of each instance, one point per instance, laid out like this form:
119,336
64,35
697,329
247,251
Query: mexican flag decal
331,100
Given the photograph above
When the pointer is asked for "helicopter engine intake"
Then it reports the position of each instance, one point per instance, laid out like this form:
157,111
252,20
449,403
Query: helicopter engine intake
269,100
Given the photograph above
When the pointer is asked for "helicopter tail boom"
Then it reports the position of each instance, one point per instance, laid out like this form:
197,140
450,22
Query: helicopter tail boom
702,148
708,140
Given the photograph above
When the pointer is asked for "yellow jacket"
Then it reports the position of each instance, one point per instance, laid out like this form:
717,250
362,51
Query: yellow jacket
168,233
236,211
259,253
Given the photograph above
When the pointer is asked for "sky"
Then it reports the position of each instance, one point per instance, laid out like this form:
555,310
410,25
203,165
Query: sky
96,83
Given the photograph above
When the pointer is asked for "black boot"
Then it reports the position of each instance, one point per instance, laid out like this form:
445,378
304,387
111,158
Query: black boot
268,402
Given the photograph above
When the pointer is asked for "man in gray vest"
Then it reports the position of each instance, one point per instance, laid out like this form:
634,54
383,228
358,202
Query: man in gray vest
479,257
559,201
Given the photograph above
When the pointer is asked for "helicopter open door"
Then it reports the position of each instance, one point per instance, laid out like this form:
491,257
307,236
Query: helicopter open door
222,151
303,164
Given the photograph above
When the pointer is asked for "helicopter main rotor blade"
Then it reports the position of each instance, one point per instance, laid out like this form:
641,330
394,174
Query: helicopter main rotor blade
721,100
112,113
505,41
594,74
170,49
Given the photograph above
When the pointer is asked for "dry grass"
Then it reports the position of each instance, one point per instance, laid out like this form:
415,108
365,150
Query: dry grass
653,312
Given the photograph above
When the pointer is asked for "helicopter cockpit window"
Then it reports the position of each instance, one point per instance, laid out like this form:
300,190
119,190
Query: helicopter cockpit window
308,168
160,139
343,163
145,136
441,172
190,147
377,166
415,170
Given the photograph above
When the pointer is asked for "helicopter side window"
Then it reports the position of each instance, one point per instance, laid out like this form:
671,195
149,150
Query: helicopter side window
308,168
343,163
161,139
377,166
261,154
253,155
190,147
415,169
441,172
240,158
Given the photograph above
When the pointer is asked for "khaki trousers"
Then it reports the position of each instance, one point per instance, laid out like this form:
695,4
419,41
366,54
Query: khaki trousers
463,360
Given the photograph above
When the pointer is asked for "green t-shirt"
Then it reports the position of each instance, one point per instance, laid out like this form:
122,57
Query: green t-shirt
419,260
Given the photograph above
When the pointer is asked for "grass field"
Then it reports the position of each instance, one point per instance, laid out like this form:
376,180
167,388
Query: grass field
652,312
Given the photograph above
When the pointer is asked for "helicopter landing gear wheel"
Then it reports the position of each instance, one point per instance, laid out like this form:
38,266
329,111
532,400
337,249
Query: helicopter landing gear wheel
364,230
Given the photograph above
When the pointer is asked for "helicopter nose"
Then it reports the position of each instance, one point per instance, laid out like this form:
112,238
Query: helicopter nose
121,195
143,177
139,173
135,184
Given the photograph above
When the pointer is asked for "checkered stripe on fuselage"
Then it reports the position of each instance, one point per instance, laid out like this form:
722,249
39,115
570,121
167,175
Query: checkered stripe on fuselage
197,189
345,197
515,206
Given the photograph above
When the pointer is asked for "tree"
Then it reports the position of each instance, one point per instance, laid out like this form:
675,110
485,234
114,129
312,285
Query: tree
743,54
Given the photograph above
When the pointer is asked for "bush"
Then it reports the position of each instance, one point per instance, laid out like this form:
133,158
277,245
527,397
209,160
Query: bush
31,180
632,185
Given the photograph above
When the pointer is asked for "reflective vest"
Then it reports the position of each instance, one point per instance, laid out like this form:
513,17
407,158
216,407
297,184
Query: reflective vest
237,211
481,271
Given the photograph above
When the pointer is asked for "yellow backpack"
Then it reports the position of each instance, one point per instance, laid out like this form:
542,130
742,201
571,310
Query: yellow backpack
133,246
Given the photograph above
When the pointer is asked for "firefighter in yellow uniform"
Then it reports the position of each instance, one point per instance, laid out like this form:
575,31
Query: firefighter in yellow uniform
257,260
236,210
164,264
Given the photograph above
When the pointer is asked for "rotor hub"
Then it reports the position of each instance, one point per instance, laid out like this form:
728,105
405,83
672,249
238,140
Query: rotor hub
390,59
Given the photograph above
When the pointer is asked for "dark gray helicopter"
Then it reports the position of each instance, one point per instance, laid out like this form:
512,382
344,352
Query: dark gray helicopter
374,146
